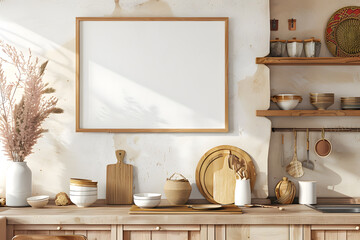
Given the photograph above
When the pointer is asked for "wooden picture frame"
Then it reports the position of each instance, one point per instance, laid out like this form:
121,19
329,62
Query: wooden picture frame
219,85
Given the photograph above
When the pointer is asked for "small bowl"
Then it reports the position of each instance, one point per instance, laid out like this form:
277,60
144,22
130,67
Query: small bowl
83,201
147,203
82,189
90,193
322,100
287,101
38,201
147,196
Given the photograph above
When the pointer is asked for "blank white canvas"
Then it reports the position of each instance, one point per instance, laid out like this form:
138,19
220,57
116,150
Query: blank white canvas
152,74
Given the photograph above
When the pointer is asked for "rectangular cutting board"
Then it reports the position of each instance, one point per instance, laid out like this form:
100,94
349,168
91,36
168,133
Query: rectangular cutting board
183,209
119,181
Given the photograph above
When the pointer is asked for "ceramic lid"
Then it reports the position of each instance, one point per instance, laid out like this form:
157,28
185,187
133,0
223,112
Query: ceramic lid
278,40
294,40
312,39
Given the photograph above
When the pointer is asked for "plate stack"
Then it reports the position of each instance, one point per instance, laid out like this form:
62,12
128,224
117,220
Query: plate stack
83,192
350,103
322,100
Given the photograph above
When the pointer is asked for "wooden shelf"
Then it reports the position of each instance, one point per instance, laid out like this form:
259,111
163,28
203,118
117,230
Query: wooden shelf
308,61
307,113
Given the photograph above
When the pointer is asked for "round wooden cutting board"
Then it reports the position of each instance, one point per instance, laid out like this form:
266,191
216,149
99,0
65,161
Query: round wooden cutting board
212,161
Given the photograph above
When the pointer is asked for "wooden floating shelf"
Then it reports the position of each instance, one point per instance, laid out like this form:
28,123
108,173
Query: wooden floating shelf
307,113
308,61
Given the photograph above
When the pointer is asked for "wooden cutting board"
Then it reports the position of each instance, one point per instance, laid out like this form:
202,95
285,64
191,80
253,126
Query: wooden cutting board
224,183
184,209
119,181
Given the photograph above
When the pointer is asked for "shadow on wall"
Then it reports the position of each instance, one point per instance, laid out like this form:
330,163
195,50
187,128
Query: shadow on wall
146,9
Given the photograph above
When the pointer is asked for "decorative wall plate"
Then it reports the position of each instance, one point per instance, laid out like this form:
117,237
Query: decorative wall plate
342,33
213,160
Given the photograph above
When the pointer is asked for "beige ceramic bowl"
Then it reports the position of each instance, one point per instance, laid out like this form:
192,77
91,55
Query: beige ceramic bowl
287,101
322,100
38,201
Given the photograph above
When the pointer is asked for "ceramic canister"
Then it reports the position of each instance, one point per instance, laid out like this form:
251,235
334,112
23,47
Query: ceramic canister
294,47
278,48
242,192
307,192
312,47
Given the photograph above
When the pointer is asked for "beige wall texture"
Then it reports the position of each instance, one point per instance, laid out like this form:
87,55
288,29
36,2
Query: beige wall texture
48,28
338,174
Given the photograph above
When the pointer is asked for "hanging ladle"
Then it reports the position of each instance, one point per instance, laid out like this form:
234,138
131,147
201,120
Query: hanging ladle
307,163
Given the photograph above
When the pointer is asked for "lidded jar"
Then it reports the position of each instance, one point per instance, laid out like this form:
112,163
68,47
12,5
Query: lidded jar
278,48
294,47
312,47
177,191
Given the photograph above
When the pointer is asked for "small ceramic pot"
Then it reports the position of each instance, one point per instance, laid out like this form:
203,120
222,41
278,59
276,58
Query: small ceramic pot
294,47
287,101
177,191
277,48
307,192
242,192
312,47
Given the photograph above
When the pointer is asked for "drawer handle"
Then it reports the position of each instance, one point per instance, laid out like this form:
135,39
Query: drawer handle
357,228
58,228
158,228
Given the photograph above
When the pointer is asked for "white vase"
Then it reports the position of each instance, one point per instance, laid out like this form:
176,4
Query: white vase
18,184
242,192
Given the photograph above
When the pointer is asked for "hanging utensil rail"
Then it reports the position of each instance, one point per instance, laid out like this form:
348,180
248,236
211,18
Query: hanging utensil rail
316,129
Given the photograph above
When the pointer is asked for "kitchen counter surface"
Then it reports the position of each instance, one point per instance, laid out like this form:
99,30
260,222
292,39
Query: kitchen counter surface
102,214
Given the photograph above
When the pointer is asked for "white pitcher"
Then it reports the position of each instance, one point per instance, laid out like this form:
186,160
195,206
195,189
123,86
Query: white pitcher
242,192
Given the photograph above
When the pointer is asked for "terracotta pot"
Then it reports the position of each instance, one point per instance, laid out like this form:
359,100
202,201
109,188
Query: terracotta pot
177,191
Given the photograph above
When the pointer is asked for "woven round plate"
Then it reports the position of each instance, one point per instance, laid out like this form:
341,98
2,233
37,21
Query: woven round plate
342,33
212,161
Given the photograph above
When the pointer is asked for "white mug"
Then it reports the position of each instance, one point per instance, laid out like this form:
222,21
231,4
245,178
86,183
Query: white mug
307,192
242,192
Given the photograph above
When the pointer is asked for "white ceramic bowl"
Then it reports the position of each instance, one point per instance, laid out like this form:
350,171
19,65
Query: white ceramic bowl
83,201
147,203
287,101
147,196
82,189
90,193
38,201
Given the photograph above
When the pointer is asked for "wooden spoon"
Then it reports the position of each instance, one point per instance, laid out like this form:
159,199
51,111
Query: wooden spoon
294,168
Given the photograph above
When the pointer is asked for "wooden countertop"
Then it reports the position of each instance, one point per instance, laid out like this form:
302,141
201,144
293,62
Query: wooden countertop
100,214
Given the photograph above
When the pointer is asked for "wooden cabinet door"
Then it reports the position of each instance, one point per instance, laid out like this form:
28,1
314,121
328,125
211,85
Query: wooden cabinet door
335,232
2,228
258,232
92,232
163,232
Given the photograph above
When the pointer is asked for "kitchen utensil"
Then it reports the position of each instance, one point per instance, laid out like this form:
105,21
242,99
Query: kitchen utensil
307,192
242,192
277,48
286,101
119,181
177,191
322,100
285,191
282,160
312,47
323,147
350,103
307,163
342,32
224,183
263,206
294,168
184,209
212,161
205,206
294,47
38,201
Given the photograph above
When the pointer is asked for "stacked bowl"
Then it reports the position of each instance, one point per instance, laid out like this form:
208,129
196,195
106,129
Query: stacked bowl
350,103
83,192
322,100
147,200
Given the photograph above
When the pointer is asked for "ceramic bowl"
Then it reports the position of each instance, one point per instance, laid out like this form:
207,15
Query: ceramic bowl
147,196
89,193
82,189
287,101
322,100
83,201
147,203
38,201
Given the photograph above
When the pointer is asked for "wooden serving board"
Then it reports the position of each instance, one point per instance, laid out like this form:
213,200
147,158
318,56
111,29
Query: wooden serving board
184,209
119,181
212,161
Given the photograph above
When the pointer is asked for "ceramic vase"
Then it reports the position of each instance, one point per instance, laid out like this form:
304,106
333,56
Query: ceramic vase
242,192
18,184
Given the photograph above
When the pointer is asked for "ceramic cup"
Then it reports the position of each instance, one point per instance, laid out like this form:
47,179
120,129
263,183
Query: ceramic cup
242,192
307,192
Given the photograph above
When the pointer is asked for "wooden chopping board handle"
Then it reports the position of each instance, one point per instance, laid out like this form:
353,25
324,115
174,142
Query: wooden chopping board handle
120,154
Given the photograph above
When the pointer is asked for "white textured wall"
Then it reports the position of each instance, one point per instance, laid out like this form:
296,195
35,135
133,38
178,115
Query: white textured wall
48,28
339,173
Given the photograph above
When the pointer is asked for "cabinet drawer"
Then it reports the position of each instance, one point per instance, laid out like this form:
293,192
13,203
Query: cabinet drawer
161,227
